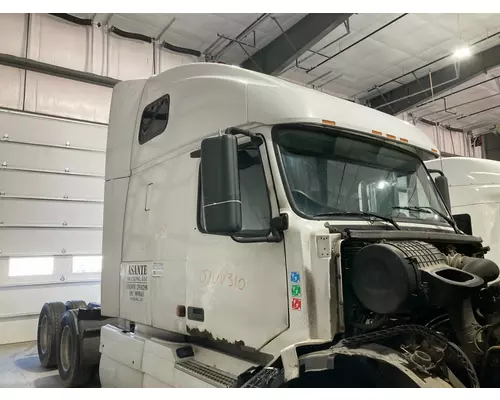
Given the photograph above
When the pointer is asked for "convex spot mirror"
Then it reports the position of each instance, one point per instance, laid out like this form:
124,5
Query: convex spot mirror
220,185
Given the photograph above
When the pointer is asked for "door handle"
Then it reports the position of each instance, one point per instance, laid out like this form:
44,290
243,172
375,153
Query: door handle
148,195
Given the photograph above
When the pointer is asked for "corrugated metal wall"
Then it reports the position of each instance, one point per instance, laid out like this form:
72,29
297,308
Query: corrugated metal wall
52,168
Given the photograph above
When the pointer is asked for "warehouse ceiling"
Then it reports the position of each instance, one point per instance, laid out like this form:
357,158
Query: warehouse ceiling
392,62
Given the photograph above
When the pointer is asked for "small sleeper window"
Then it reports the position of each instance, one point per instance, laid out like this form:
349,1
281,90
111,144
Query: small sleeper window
154,119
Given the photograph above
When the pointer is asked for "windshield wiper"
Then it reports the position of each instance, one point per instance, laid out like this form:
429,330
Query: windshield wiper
429,210
358,213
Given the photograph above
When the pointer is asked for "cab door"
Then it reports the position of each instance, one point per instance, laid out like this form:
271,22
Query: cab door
237,291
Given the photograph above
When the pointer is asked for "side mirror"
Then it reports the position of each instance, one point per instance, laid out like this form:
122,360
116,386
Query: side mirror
220,184
442,186
464,223
444,190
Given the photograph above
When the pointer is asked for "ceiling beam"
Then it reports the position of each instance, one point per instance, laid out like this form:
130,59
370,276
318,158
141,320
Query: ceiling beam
291,44
411,94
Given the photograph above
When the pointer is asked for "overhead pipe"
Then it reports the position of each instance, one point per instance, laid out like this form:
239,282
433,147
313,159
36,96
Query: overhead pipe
357,42
319,51
429,63
457,91
433,123
73,19
239,37
460,105
182,50
479,112
148,39
130,35
62,72
417,93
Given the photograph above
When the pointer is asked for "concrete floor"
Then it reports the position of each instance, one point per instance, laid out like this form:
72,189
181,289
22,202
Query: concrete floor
20,368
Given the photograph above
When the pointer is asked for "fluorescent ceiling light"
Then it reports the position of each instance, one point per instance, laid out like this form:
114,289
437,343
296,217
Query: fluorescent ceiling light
462,53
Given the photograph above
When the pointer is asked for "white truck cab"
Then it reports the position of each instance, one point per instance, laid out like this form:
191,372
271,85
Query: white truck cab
255,229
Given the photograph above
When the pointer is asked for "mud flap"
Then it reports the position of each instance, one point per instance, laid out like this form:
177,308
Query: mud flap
90,322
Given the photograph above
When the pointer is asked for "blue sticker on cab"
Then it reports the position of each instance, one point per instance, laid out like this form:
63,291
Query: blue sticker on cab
295,277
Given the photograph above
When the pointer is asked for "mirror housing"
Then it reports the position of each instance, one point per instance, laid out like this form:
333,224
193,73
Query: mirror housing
220,185
444,190
464,223
442,186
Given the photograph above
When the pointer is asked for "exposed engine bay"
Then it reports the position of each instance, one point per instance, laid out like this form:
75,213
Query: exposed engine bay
436,304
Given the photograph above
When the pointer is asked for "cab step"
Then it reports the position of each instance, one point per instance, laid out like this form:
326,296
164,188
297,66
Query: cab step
206,373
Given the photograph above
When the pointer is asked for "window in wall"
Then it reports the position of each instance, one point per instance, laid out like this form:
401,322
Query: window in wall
255,206
31,266
87,264
154,119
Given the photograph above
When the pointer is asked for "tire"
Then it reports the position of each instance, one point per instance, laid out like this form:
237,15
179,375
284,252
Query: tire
71,372
47,339
75,304
93,305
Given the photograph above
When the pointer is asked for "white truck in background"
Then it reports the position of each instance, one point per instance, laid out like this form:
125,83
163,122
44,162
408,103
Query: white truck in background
261,234
474,187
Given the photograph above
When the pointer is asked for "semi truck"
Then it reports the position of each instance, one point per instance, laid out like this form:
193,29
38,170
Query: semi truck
474,185
258,233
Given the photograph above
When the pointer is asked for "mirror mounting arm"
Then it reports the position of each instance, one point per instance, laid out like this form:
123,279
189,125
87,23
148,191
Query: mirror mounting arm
255,139
238,131
436,171
278,226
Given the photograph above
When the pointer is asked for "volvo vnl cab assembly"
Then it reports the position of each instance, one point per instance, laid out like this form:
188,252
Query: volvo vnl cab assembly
258,233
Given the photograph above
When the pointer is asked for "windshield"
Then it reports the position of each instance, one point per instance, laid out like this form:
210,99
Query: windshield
331,174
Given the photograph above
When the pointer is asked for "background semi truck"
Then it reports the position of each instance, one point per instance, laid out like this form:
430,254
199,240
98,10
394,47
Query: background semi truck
474,187
261,234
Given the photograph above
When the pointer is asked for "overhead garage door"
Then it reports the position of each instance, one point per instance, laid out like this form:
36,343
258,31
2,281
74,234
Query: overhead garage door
51,205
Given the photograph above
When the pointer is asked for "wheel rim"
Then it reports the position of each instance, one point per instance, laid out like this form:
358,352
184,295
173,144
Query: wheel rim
66,345
44,334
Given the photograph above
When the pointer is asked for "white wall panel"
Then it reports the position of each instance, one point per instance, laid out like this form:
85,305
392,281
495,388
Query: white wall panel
55,41
169,60
129,59
52,158
21,183
12,34
49,241
11,87
67,98
31,128
24,211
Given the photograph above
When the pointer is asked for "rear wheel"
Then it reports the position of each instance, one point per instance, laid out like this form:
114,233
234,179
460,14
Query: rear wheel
48,333
75,304
71,370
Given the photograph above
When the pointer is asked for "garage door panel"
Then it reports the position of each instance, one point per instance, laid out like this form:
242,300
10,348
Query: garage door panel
15,211
22,183
19,307
49,241
28,128
30,298
49,158
51,204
